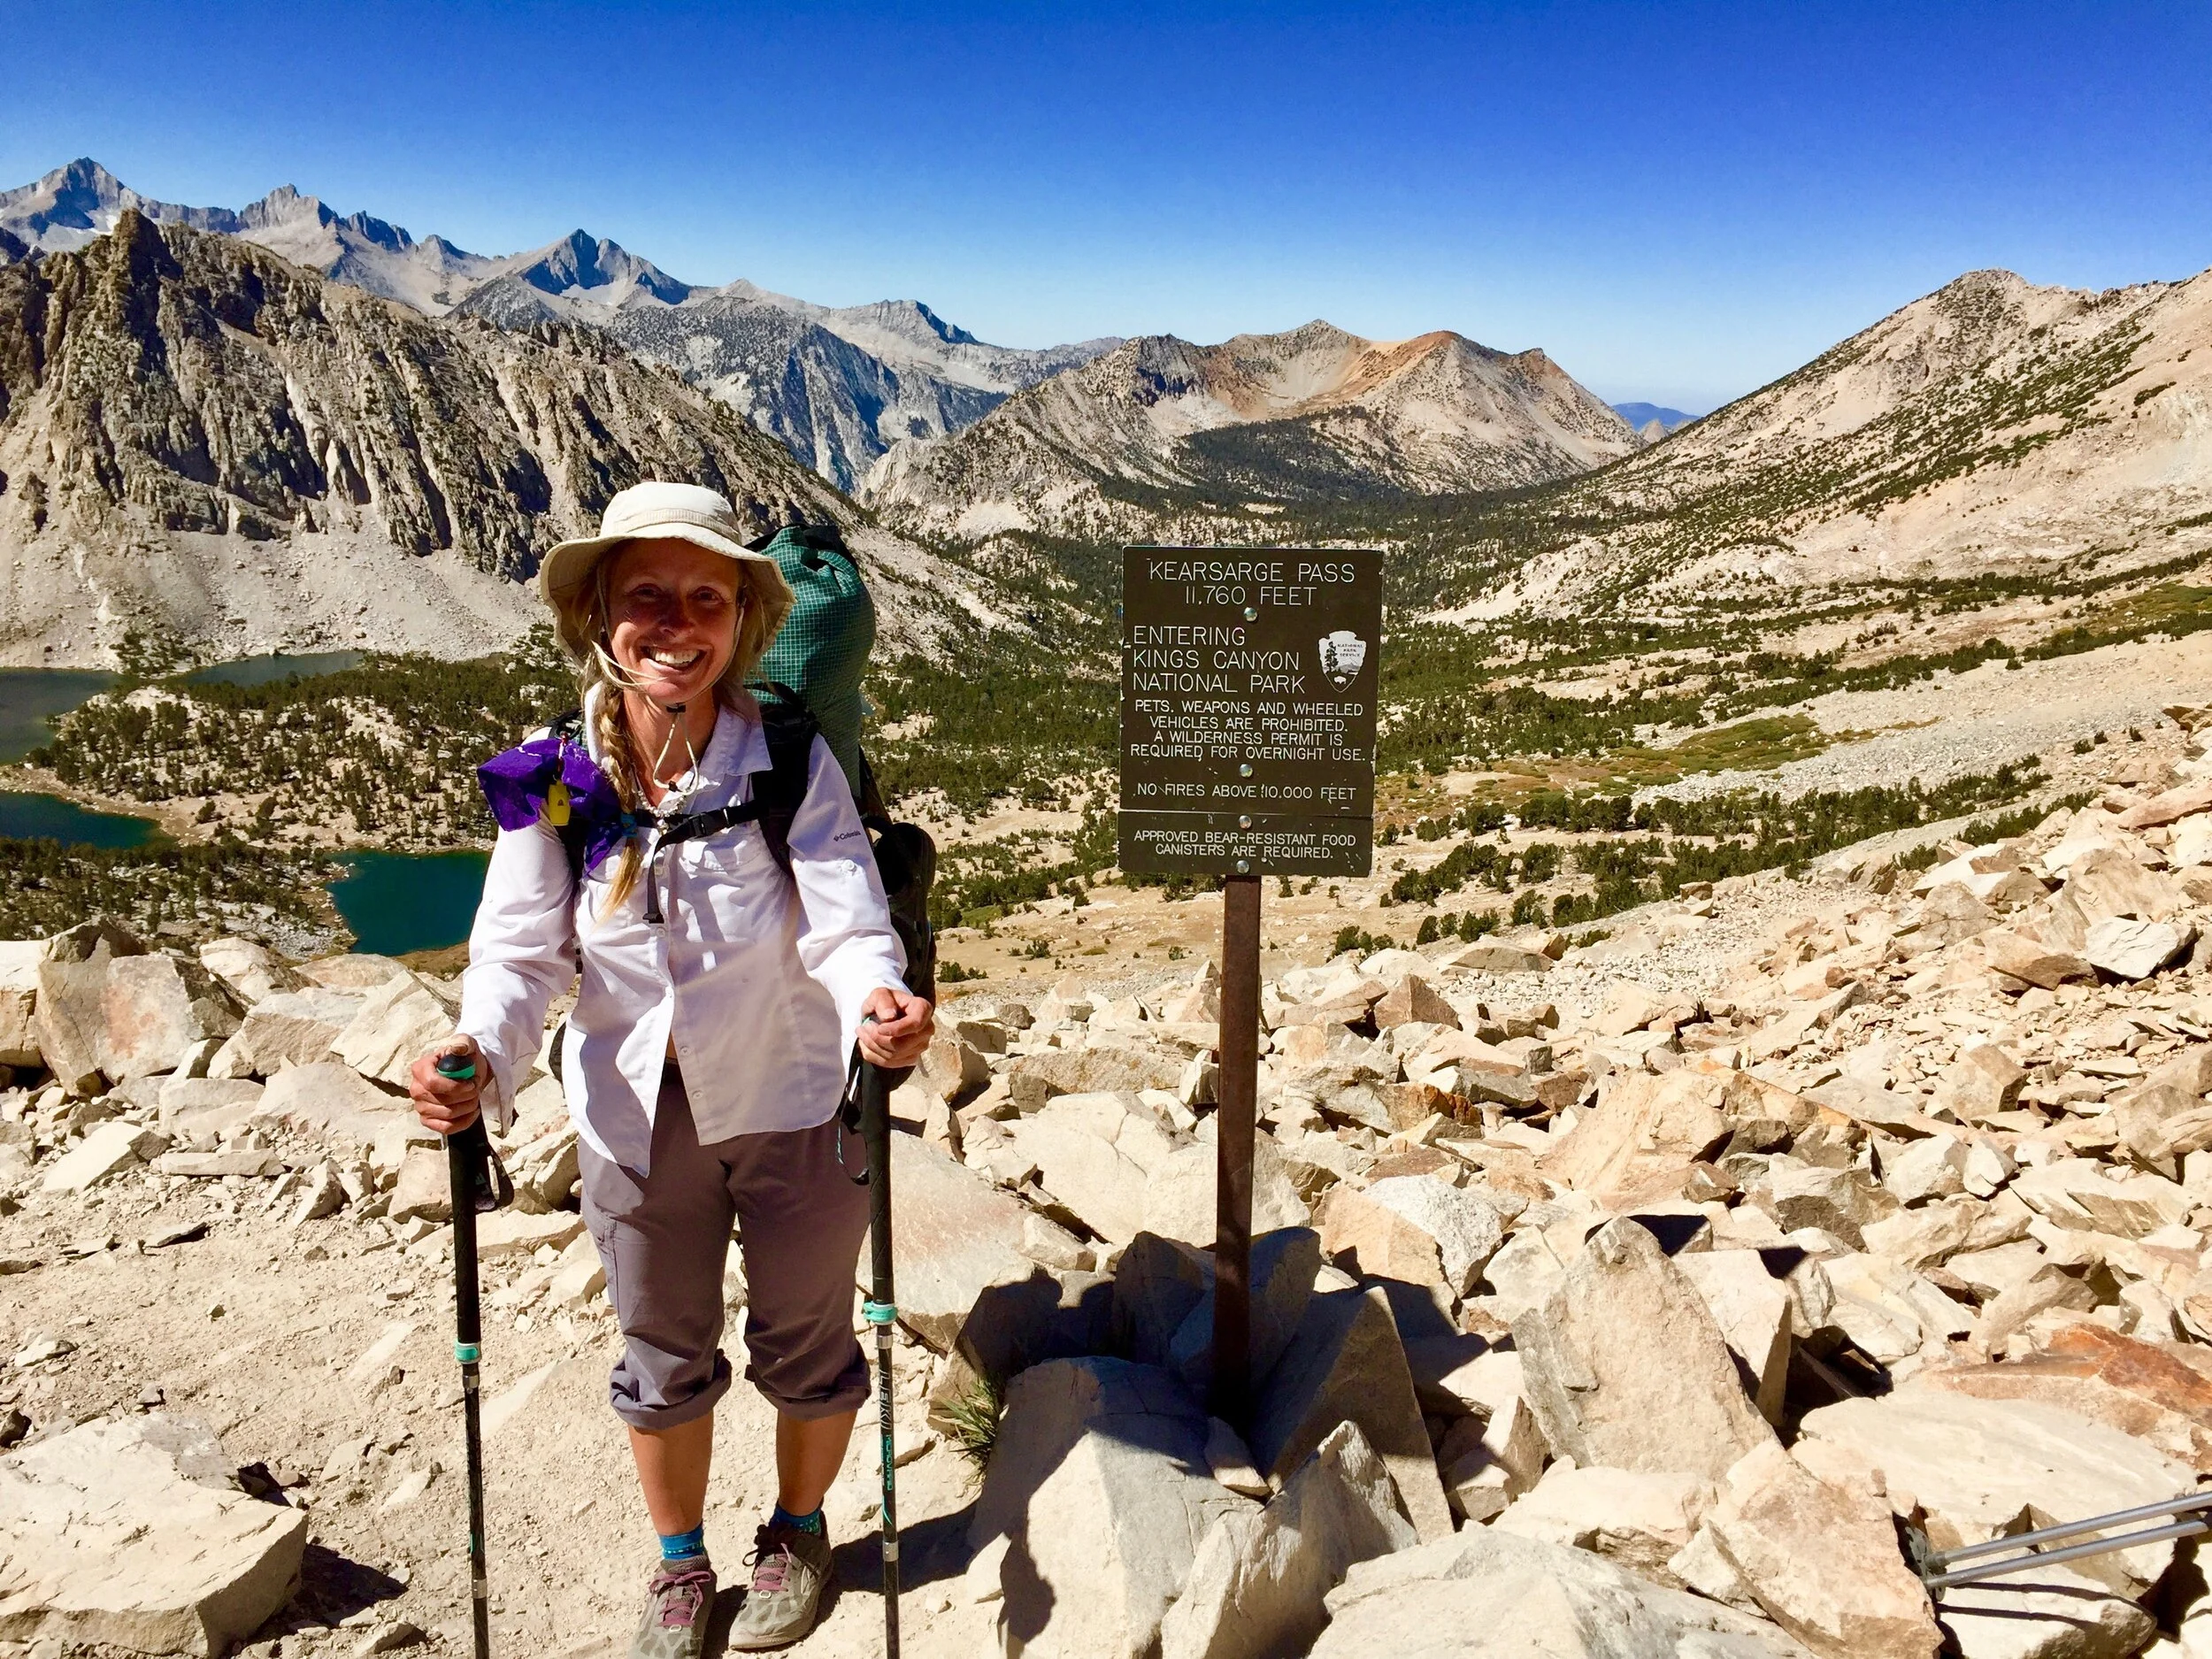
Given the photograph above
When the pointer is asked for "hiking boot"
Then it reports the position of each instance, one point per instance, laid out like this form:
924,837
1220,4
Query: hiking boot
677,1602
790,1566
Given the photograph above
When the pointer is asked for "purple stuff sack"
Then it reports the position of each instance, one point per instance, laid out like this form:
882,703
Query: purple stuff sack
518,787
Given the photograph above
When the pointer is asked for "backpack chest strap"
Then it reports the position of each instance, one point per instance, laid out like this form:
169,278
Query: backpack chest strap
698,826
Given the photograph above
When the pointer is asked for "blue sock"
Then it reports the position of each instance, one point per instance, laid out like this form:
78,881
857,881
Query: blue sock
681,1546
812,1522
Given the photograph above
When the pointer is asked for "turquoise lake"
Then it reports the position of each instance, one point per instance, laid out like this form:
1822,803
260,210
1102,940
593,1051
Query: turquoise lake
395,902
49,817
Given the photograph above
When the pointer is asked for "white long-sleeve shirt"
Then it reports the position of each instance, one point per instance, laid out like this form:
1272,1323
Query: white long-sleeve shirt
759,977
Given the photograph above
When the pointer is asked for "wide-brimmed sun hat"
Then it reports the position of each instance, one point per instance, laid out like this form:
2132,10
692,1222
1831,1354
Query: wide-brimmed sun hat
687,512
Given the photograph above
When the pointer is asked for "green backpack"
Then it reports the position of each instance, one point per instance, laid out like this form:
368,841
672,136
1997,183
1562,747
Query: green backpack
820,655
813,670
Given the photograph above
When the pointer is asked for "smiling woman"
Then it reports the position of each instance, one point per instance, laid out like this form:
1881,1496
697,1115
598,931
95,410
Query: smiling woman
727,975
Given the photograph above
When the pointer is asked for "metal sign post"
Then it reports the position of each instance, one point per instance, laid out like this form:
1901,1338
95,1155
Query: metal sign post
1249,685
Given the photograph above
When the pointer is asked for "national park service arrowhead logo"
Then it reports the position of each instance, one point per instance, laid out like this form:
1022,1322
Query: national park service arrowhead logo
1341,653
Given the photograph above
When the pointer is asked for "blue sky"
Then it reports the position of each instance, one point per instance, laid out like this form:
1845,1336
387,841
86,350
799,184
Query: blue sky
1678,201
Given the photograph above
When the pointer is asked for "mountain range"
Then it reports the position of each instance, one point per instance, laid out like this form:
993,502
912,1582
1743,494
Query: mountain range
229,431
836,385
208,451
1161,430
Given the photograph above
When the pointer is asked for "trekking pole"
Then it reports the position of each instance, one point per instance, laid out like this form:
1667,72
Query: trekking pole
2022,1552
881,1311
468,1158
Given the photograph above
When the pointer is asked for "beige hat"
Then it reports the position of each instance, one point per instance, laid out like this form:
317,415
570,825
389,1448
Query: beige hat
686,512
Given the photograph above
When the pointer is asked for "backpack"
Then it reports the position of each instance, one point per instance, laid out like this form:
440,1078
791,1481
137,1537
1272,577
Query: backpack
819,657
813,668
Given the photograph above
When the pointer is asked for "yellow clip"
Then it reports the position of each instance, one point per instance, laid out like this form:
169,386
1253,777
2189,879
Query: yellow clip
556,804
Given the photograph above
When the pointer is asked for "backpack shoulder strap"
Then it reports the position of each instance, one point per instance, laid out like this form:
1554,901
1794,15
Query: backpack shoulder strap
779,792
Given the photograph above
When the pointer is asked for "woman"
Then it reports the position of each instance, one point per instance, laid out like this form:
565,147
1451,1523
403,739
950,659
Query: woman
704,1062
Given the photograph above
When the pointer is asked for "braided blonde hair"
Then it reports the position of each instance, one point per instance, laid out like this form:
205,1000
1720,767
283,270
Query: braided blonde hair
583,618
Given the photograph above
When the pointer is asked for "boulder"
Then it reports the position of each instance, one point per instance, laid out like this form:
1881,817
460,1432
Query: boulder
1098,1483
1345,1363
70,1022
2167,806
109,1147
1982,1081
2057,1612
951,1068
18,1026
193,1100
2129,950
292,1028
334,1102
515,1232
1374,1241
105,1540
1163,1308
1821,1558
1487,1594
1179,1196
1413,999
250,969
2106,882
2148,1390
1842,1201
1257,1582
1625,1367
1464,1229
1496,1452
153,1008
1752,1309
2160,1124
1037,1077
2024,954
2083,1195
957,1236
423,1187
1954,914
1637,1518
1495,957
2190,1071
1639,1140
99,940
353,971
398,1020
1096,1154
1983,1468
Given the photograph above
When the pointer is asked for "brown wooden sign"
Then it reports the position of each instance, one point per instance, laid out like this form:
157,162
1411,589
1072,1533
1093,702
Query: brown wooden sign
1249,682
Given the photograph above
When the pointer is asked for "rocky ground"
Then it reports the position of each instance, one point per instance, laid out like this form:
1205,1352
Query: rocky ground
1638,1298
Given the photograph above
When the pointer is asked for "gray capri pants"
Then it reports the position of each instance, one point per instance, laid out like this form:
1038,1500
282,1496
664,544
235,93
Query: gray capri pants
662,1238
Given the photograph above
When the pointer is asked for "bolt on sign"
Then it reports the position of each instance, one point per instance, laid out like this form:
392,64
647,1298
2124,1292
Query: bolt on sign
1249,682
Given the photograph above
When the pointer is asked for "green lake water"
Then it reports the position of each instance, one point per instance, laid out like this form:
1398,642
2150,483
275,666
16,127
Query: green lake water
28,695
261,670
395,902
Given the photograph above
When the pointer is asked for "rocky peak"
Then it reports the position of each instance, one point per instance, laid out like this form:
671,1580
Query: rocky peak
581,260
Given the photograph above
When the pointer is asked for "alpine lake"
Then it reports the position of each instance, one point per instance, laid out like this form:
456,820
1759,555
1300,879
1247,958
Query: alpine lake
394,903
